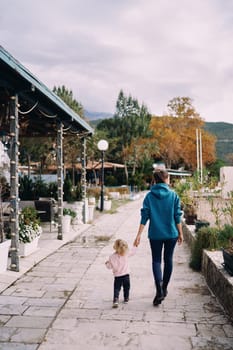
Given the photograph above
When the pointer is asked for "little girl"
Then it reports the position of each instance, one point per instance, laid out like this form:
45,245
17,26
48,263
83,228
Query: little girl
118,262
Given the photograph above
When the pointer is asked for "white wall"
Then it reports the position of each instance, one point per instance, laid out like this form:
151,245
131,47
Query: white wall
226,180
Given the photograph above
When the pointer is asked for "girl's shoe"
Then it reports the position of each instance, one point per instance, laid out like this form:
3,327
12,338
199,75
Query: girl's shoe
126,301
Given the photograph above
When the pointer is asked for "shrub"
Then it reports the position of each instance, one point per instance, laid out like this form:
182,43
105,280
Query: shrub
225,235
68,211
206,238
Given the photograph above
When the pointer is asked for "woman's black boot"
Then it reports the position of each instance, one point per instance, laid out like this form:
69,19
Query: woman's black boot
164,290
159,295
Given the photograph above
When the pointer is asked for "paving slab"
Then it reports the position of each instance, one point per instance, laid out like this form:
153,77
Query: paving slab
64,301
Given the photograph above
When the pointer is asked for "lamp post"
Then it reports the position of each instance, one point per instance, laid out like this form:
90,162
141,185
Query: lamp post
102,146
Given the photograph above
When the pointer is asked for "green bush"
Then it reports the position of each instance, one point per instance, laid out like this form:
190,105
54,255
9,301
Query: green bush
224,236
110,180
68,211
206,238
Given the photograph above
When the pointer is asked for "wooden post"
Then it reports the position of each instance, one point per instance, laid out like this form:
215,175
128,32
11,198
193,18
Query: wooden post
60,178
14,181
83,179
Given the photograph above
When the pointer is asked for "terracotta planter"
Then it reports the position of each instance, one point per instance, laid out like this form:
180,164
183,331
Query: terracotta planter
228,261
26,249
4,249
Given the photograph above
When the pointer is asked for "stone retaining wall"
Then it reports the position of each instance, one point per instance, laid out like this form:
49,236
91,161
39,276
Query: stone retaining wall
217,279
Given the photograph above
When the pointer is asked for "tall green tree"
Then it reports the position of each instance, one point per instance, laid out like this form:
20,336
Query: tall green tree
131,122
67,96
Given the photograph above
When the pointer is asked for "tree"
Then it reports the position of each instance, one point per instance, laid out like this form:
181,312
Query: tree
229,158
182,107
67,96
214,168
130,123
168,140
176,135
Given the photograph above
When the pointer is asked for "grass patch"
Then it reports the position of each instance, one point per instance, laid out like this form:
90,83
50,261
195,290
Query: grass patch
116,203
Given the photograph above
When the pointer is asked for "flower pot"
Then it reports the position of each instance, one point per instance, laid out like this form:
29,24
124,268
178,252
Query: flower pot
91,209
78,207
26,249
4,248
107,204
66,223
91,200
228,261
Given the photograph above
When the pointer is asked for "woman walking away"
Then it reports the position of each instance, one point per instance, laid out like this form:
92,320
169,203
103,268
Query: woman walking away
161,207
118,262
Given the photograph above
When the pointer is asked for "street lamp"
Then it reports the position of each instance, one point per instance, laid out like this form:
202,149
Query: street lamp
102,146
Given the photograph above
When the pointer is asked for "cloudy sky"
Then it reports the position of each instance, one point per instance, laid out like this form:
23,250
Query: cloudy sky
154,50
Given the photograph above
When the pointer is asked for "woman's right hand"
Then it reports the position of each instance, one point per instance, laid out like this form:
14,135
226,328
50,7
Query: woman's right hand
137,241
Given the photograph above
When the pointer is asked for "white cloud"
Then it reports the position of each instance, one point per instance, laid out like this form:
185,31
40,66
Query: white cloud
154,50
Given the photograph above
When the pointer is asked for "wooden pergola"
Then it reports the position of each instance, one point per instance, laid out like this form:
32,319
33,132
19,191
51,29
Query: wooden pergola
29,109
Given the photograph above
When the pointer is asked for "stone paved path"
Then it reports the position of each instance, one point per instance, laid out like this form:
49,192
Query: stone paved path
65,301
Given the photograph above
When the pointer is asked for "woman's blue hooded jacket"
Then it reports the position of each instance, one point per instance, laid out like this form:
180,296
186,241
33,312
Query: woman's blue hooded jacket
161,207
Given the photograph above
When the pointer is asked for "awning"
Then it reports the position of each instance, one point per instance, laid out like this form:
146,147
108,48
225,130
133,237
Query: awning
39,108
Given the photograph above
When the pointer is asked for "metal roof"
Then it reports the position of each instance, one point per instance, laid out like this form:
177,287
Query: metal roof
16,78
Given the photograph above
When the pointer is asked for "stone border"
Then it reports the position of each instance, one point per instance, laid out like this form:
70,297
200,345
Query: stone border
217,279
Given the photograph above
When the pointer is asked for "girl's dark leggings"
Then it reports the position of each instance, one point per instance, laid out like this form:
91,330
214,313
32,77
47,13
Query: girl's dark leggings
118,283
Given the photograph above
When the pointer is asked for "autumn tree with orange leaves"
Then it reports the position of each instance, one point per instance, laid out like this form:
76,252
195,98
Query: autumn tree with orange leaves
176,135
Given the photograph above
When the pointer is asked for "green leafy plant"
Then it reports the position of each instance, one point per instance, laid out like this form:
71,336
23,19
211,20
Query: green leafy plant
225,236
70,212
228,209
29,225
216,210
206,238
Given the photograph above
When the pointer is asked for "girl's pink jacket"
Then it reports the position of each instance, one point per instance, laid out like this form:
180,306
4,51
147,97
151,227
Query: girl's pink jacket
119,263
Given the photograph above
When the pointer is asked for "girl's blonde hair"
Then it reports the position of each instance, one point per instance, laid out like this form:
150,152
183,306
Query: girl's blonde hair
120,246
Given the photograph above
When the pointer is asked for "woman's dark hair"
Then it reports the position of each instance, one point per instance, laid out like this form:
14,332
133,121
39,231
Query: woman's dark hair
160,176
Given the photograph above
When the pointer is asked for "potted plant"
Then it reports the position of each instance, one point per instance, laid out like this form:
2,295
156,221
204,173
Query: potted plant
68,216
188,204
4,243
29,231
190,212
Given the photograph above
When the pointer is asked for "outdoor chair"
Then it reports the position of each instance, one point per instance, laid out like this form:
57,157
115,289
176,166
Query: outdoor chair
45,210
